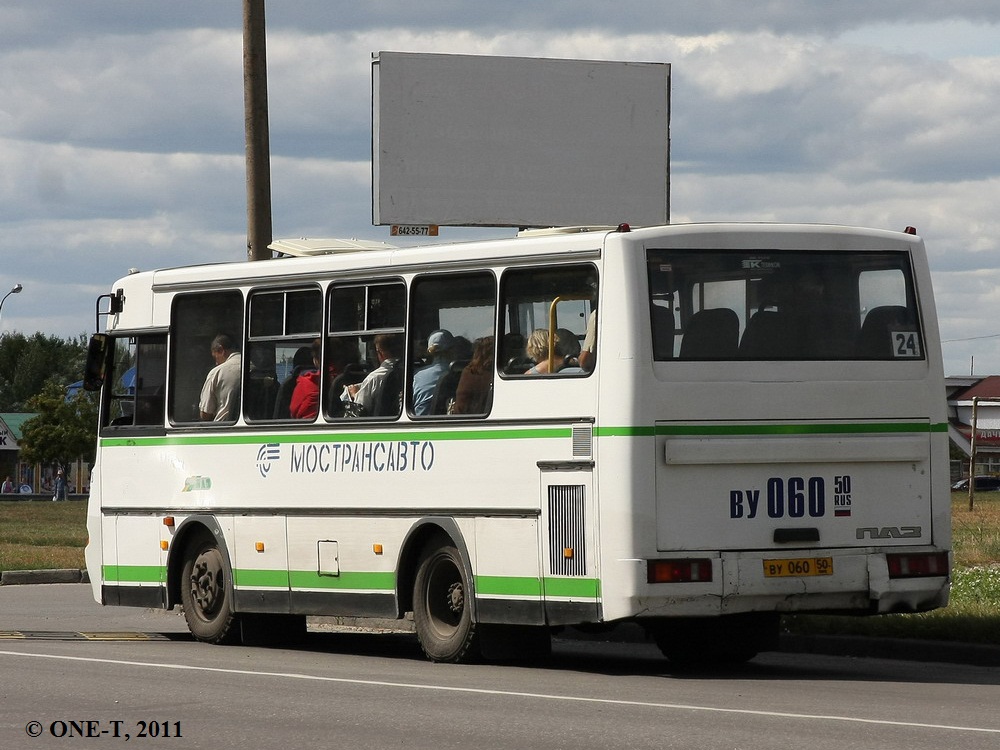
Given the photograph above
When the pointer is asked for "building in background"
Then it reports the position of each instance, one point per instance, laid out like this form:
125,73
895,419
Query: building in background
33,479
962,393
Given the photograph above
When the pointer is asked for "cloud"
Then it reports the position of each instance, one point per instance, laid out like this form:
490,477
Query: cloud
121,126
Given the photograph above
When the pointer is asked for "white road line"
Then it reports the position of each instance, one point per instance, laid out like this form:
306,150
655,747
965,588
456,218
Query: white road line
508,693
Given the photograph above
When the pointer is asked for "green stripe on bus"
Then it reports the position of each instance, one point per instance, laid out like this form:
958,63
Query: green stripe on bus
523,586
276,579
720,430
544,433
531,433
508,586
306,579
134,573
573,588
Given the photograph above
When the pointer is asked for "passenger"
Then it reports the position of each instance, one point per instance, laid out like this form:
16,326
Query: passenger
368,393
439,345
461,350
220,395
476,382
302,361
567,349
305,397
537,348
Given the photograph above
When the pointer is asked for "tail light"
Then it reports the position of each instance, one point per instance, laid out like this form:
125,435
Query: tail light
678,571
917,565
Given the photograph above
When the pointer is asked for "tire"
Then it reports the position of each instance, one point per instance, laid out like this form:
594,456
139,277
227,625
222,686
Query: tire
442,610
206,592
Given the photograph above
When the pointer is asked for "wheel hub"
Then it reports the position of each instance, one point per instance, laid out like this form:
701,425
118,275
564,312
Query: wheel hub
206,581
456,598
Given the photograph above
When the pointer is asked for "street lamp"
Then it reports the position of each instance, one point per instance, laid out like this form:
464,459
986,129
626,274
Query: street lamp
16,290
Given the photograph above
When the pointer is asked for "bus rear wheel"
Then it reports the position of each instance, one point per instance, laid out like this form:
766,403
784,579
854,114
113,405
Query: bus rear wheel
206,594
442,612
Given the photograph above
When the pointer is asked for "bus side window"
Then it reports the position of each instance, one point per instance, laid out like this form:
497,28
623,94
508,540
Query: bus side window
365,342
149,380
119,385
280,379
195,322
451,344
546,304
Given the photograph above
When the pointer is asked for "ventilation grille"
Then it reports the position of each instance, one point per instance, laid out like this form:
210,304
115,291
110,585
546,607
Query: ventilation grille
582,440
567,554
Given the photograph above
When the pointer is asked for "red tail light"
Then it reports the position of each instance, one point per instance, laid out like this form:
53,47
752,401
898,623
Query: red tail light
917,566
678,571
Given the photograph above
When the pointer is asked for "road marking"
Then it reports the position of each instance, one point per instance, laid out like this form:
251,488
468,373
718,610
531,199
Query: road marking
56,635
508,693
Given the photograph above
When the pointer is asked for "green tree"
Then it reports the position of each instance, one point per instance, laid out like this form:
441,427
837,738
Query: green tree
62,431
27,363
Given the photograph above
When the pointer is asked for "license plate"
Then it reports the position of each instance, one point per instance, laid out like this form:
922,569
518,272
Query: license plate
797,567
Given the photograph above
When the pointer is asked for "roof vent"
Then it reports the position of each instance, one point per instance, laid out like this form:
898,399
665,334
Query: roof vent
301,248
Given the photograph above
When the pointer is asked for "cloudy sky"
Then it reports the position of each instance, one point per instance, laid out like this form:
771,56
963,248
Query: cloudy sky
122,143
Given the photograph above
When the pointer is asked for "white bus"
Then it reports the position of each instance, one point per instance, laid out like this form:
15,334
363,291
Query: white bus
755,426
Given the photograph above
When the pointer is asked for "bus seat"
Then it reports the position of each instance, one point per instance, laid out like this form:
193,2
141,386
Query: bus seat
390,397
770,335
875,338
353,373
447,387
711,334
261,391
663,332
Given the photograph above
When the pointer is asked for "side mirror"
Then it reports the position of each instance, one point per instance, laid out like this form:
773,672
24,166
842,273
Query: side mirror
97,362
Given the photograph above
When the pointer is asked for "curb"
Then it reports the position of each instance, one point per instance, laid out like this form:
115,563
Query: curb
61,575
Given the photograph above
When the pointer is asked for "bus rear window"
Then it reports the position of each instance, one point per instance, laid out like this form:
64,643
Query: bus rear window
782,305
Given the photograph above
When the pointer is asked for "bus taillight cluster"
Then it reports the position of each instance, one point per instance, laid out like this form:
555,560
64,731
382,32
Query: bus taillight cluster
678,571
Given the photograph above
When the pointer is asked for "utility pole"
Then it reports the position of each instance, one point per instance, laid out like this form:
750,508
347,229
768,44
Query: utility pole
255,120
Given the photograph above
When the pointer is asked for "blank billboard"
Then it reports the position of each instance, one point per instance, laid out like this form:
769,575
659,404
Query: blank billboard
466,140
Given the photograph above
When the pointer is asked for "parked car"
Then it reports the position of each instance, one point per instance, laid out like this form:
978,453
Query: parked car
983,484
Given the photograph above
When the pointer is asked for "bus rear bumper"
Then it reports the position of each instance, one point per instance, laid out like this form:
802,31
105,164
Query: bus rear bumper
859,583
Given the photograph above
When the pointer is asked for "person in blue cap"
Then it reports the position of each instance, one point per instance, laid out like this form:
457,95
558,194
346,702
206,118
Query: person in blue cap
439,346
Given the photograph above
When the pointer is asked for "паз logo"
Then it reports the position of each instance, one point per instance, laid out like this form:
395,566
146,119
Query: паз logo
269,453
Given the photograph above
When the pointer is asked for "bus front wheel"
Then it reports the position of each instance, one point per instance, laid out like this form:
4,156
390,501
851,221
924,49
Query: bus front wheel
206,593
442,612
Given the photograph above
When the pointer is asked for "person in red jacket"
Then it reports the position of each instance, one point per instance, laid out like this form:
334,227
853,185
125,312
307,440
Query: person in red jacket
305,397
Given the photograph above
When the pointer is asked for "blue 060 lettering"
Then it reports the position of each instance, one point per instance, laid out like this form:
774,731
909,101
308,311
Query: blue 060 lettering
795,497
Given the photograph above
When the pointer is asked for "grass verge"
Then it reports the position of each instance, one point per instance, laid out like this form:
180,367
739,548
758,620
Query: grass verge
41,534
973,613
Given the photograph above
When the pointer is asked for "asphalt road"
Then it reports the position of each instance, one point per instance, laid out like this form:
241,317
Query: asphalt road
69,668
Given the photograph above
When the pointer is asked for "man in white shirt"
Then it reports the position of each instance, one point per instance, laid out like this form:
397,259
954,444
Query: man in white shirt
220,395
368,393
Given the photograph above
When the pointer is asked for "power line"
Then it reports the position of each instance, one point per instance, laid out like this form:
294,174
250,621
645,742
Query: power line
971,338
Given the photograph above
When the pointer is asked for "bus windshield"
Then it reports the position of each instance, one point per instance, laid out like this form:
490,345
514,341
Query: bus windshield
782,305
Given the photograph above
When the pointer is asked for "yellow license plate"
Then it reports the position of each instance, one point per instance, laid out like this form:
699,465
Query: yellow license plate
800,566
